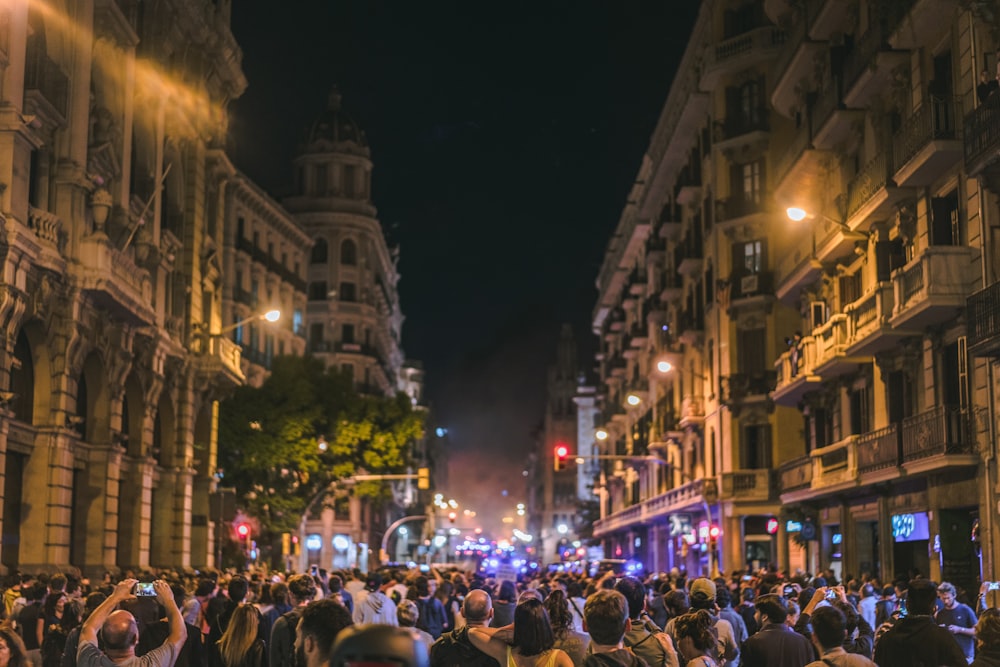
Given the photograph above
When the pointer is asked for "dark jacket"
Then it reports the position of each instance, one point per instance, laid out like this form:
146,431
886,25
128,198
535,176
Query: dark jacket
621,657
432,617
988,656
749,615
454,649
916,641
776,645
861,646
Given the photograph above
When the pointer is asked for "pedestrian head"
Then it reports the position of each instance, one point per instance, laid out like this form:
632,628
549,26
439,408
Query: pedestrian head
320,623
237,589
240,635
920,597
635,595
301,588
605,617
829,627
508,592
477,608
407,614
676,603
10,642
947,593
772,608
694,633
988,629
557,607
120,632
532,629
423,589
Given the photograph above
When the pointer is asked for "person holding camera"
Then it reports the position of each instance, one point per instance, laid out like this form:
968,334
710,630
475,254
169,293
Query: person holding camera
121,632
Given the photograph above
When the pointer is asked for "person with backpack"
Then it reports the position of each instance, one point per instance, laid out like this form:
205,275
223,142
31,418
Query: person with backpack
642,636
281,648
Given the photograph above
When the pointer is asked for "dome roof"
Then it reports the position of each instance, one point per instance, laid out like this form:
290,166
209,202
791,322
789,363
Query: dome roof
335,126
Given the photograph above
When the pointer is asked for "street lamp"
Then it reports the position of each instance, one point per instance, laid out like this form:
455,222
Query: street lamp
664,366
601,434
633,399
270,316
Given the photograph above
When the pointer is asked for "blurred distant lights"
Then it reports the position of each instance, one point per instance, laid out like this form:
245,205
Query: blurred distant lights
440,432
601,434
563,529
664,366
633,399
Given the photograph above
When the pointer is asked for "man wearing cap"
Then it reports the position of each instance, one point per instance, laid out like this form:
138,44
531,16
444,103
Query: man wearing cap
376,607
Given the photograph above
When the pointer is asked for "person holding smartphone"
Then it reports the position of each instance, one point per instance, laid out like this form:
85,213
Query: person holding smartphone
121,632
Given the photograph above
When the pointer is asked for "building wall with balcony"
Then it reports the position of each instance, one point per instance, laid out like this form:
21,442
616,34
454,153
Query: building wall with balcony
880,274
111,285
353,316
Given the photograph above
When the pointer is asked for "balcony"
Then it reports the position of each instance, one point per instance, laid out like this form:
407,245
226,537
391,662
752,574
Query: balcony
617,366
46,87
795,475
797,266
831,119
217,360
868,327
748,485
878,451
794,68
927,145
872,194
981,137
794,372
801,171
738,53
750,290
920,21
868,67
932,288
942,436
691,255
692,412
688,187
739,389
690,328
638,335
114,280
982,318
741,129
673,288
354,348
835,466
637,282
832,359
738,210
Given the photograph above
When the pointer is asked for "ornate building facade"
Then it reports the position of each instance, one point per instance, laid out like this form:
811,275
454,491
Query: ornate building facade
353,316
783,307
111,286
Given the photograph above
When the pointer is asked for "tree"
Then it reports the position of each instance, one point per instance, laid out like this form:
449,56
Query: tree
270,441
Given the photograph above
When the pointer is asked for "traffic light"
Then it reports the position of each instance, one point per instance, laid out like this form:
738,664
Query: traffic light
243,530
713,536
559,458
423,478
452,516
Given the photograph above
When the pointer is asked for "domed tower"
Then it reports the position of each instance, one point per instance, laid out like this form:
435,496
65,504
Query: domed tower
353,318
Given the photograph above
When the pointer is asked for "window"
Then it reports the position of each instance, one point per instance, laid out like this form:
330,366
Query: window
347,333
348,292
753,342
297,321
946,227
819,423
850,289
755,449
348,371
349,180
753,181
349,253
256,239
238,280
322,180
319,252
240,228
315,335
254,291
749,257
750,103
317,291
861,409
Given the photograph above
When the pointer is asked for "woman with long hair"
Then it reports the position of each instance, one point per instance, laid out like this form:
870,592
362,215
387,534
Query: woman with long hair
240,646
695,639
12,651
503,605
567,638
529,643
987,639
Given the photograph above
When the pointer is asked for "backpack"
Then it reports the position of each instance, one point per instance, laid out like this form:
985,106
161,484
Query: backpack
291,627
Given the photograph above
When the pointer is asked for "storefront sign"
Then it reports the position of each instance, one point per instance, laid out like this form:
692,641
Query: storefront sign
680,524
793,526
910,527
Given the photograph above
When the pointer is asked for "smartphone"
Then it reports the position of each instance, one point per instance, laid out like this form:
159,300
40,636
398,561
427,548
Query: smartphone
314,570
789,591
144,590
831,595
994,586
747,578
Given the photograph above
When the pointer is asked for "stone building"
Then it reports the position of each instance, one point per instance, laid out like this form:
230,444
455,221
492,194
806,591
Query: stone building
112,289
782,308
353,317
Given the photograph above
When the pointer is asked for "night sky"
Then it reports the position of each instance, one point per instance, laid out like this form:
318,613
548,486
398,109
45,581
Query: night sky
505,138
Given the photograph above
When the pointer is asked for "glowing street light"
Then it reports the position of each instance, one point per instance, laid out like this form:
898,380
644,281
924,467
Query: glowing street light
796,214
664,366
633,400
601,434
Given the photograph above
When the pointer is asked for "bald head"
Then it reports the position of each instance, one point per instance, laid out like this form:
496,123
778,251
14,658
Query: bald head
120,631
477,608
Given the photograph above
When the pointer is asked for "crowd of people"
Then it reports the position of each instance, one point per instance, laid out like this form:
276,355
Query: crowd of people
461,619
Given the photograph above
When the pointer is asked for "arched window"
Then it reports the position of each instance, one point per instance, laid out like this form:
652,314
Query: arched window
22,380
349,253
319,252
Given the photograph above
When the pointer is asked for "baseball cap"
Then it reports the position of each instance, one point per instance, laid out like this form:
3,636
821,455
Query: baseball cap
704,588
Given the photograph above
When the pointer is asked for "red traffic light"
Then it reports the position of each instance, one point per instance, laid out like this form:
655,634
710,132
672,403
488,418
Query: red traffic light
714,532
452,516
242,529
562,451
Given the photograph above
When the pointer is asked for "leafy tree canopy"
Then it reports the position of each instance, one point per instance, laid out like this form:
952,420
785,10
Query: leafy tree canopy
270,440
